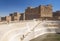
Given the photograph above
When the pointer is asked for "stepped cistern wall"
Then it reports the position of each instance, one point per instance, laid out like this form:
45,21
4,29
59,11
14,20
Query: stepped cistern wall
27,30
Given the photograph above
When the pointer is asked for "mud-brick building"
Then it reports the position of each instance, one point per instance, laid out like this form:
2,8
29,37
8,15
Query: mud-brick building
3,18
46,11
32,13
42,11
8,18
22,16
15,16
0,19
56,15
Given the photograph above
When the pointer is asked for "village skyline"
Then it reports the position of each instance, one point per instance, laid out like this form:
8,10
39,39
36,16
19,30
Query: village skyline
10,6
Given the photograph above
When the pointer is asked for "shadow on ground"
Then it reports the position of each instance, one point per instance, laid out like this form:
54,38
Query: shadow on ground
48,37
